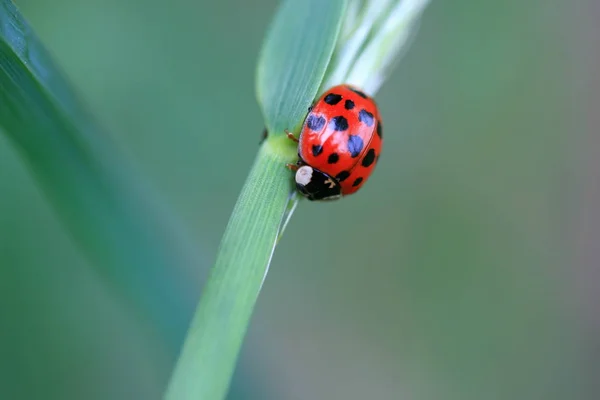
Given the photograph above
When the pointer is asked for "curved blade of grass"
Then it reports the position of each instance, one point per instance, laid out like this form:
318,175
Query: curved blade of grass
132,242
294,58
293,62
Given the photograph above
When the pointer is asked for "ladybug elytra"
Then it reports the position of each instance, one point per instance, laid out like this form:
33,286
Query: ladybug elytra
339,144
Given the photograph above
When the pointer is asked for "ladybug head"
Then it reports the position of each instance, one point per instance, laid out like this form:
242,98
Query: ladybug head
317,185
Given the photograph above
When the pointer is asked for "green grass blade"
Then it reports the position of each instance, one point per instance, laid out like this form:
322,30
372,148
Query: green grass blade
294,59
292,65
130,239
209,355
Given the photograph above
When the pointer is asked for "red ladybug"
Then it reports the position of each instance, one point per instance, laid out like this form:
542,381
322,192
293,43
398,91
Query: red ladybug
339,144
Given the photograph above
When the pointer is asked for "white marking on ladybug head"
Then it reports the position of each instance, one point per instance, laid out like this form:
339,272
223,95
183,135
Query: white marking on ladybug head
304,175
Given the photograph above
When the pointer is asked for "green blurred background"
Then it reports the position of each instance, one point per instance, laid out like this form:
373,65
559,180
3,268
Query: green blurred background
464,270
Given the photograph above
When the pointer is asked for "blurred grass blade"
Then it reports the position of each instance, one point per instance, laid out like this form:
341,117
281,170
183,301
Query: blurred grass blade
375,34
133,243
292,65
391,37
294,58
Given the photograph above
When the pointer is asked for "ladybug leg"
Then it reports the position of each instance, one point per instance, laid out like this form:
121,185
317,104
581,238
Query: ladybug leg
291,136
294,167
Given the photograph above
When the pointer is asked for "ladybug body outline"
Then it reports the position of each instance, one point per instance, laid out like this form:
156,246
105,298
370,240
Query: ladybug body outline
339,144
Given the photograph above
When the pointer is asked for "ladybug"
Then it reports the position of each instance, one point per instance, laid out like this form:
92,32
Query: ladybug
339,144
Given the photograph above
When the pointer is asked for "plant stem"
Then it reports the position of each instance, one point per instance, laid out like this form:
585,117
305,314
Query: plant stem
210,351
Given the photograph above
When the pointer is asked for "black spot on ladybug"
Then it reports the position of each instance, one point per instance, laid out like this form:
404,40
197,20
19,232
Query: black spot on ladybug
339,123
379,129
358,92
332,99
342,176
310,108
369,158
355,145
315,123
317,149
365,117
333,158
357,182
349,105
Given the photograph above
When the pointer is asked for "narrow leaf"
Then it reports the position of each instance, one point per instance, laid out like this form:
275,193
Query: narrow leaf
129,238
209,354
294,59
293,62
